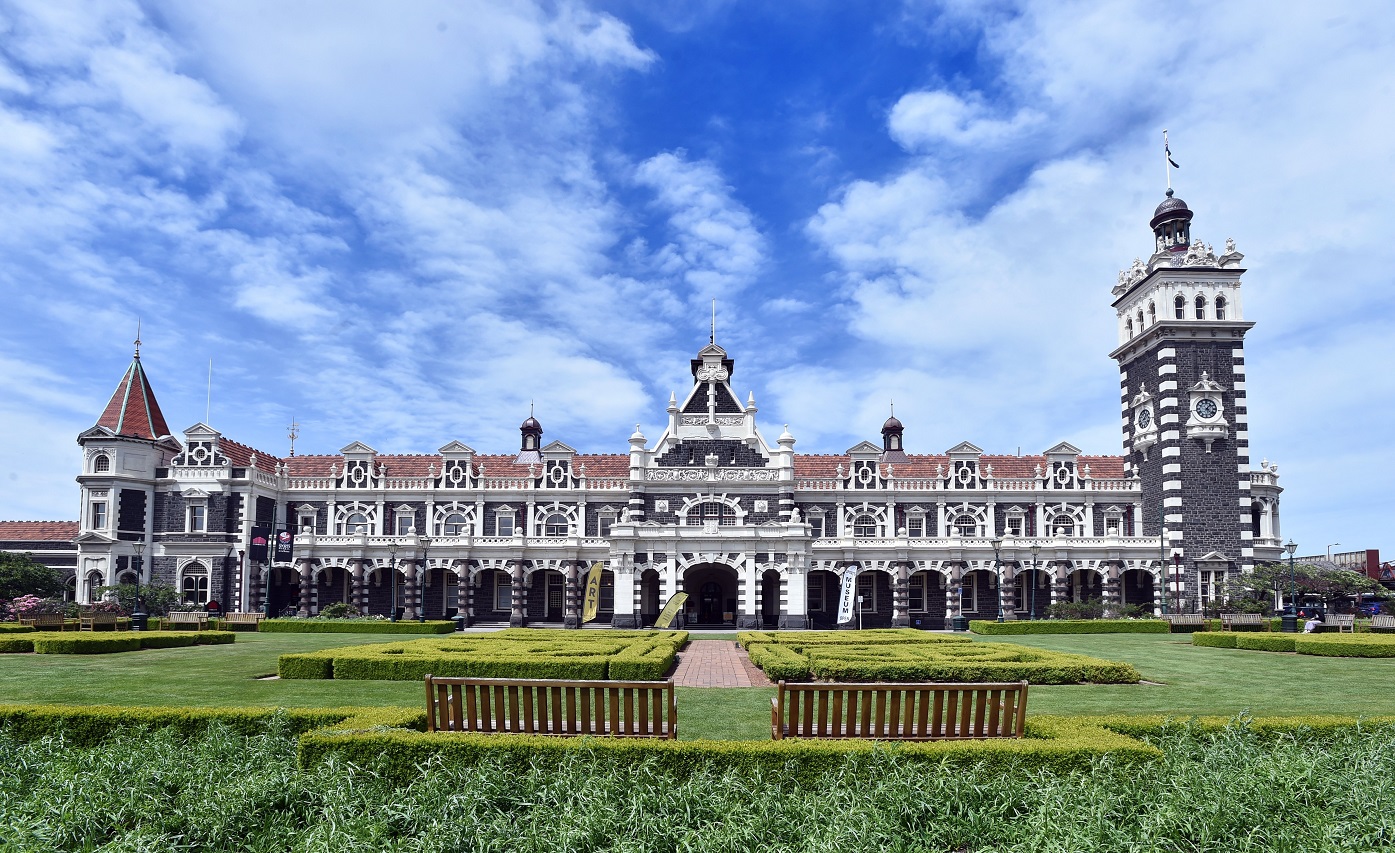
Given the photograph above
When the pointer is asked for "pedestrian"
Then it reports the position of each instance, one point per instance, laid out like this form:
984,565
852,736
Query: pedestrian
1313,625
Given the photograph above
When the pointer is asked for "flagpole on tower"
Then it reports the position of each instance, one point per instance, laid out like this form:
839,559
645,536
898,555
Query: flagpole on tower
1167,161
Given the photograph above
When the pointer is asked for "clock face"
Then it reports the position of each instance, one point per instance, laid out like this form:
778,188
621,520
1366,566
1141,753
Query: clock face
1206,408
1145,417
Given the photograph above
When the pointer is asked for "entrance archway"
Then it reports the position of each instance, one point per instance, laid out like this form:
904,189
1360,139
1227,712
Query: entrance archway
332,585
546,595
649,604
1084,585
822,587
284,589
1138,589
770,599
1032,593
712,599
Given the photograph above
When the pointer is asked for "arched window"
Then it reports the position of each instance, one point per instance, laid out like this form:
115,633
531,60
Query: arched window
1063,523
194,589
966,525
556,525
1220,307
354,522
101,463
1140,320
1152,313
721,513
455,525
1180,304
1200,307
864,527
1128,327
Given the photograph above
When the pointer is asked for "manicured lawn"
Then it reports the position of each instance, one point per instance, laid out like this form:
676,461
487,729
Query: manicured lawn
1191,681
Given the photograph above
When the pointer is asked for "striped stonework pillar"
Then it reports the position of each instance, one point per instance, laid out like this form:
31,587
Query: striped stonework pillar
518,596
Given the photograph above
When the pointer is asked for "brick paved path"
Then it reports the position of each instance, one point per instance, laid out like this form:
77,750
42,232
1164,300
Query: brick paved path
716,663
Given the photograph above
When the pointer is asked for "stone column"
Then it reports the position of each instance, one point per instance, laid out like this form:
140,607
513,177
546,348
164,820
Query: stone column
1059,589
1009,590
358,590
624,575
954,594
411,590
518,597
462,592
1113,592
796,582
571,601
748,611
901,597
307,588
256,577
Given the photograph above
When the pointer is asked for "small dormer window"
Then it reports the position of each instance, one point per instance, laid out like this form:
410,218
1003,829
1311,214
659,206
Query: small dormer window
1180,305
1200,307
101,463
1220,307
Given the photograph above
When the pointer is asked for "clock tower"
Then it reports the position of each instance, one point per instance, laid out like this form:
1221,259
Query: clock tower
1181,355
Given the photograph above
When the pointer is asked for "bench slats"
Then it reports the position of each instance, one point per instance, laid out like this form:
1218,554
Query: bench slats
899,711
554,707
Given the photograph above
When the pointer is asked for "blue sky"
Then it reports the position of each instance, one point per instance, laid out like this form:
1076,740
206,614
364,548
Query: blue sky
400,223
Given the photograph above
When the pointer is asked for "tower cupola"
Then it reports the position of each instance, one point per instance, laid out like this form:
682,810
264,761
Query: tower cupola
1172,224
531,441
893,441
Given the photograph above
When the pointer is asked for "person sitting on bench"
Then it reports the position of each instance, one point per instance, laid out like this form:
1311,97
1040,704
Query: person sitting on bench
1313,625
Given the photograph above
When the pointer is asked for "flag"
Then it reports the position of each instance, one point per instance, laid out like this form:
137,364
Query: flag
260,537
591,604
1167,152
285,545
675,604
848,595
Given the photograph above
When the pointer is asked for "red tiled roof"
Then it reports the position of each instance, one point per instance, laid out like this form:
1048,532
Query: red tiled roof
240,455
132,410
38,531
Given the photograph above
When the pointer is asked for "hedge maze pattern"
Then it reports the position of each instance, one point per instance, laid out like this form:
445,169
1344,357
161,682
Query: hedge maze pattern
514,653
909,655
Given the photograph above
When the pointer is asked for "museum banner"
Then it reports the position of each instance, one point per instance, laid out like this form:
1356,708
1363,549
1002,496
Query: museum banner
284,549
847,596
257,552
591,604
675,604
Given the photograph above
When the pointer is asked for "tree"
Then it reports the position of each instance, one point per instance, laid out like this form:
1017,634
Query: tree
20,575
1258,587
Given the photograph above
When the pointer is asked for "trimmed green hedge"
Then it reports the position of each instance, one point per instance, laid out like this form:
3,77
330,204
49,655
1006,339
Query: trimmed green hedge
1265,642
907,655
93,643
1214,639
1346,645
516,653
352,626
15,628
1056,743
1070,626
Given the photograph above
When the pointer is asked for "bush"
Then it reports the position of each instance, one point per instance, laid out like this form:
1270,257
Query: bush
1265,642
92,643
1070,626
1348,646
352,626
339,610
15,645
1091,609
15,628
520,653
1214,639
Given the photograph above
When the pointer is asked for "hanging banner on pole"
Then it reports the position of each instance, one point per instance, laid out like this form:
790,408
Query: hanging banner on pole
285,546
675,604
591,603
257,550
847,596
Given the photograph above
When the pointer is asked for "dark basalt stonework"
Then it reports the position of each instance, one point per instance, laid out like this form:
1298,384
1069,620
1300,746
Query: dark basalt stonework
693,454
727,404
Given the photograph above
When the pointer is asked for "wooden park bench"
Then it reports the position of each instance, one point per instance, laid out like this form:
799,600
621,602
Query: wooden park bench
186,620
97,621
1382,622
236,620
1229,621
1340,622
644,709
899,711
1186,621
45,622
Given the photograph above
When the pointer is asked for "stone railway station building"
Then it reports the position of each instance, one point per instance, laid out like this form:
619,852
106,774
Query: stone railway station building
756,533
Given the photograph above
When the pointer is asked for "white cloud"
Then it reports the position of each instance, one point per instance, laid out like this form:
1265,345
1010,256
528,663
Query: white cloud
921,118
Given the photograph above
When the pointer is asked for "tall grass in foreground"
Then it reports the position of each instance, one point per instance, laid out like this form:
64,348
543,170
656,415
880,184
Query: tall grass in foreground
1231,791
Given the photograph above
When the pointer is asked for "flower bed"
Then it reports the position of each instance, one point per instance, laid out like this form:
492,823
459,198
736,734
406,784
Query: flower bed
907,655
515,653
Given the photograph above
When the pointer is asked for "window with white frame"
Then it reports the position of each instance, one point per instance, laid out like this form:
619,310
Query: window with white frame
101,463
712,511
196,516
1016,524
1220,307
354,522
915,525
603,522
194,588
1113,523
1152,313
1179,307
968,595
1200,307
867,592
966,525
305,521
864,527
455,524
816,593
503,591
503,522
98,515
816,525
405,523
556,524
1063,524
1211,584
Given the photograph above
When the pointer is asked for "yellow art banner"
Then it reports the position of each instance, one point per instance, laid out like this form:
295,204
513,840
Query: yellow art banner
591,603
675,604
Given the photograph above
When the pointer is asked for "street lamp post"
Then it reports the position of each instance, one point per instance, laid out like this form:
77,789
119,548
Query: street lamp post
1288,623
421,578
1176,581
139,617
1032,607
392,573
997,544
1329,550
